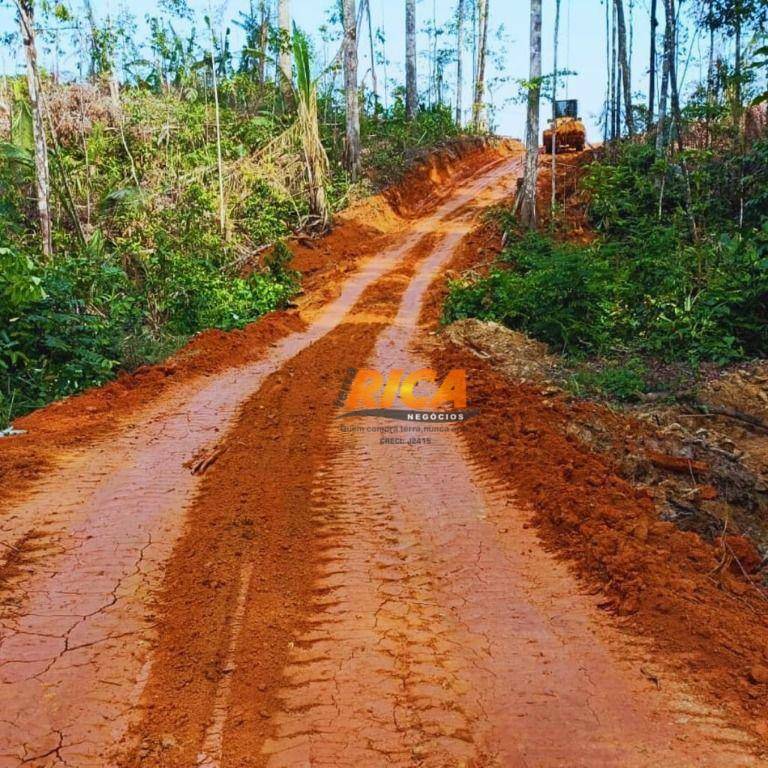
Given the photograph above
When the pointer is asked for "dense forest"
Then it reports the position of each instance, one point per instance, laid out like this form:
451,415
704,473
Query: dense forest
148,197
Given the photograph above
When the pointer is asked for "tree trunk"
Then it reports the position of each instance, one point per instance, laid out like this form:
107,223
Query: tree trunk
710,70
671,20
352,148
42,172
615,109
411,84
669,9
284,56
669,44
374,80
626,74
608,82
459,47
737,64
553,201
652,66
263,42
219,160
479,110
526,199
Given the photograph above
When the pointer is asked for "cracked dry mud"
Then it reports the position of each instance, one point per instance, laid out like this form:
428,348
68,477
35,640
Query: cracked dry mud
317,598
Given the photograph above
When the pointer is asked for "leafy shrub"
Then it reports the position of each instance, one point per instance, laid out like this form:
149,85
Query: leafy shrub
553,293
648,295
63,332
390,139
156,267
622,381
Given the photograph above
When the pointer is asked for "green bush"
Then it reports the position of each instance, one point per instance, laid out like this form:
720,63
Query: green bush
646,288
71,324
391,140
552,292
63,332
648,295
622,381
156,267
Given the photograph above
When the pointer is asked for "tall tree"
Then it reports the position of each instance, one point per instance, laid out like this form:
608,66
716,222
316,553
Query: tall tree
42,170
459,51
710,67
284,55
652,64
217,113
667,57
479,109
737,64
615,108
411,84
374,80
624,66
555,42
677,118
352,149
608,82
263,42
671,21
525,205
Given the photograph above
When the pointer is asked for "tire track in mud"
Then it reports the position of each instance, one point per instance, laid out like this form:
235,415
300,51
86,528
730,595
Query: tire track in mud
442,634
76,625
261,483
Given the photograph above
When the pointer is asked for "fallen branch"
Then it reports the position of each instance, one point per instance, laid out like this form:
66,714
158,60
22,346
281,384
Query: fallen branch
731,413
676,463
204,464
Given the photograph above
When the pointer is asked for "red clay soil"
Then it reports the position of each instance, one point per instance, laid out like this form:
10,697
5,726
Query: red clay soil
361,626
77,624
693,599
254,505
78,420
360,232
673,587
689,597
572,223
476,252
339,598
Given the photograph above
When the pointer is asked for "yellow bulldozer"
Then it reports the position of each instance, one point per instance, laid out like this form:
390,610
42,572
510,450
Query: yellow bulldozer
570,133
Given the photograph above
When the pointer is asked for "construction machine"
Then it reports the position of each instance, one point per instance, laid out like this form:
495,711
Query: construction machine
570,133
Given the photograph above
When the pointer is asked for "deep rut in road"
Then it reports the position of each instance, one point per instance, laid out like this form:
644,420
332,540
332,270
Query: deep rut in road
320,598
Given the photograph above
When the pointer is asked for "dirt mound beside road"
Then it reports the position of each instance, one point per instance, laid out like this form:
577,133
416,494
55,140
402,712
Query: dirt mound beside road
687,596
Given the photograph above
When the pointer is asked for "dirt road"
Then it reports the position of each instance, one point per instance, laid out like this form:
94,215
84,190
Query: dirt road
232,579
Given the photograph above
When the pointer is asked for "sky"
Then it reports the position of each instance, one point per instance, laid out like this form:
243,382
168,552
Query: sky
582,46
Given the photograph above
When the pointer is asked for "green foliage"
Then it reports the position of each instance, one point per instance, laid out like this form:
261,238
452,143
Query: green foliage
155,268
620,381
648,295
390,140
554,293
73,323
644,290
62,327
152,267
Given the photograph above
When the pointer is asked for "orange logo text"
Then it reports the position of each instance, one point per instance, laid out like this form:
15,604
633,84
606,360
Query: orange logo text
418,390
